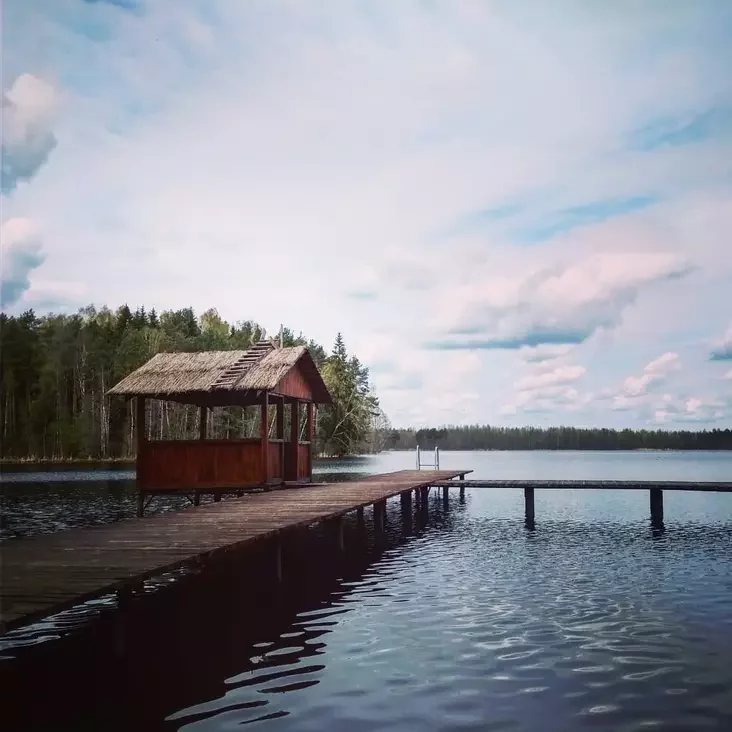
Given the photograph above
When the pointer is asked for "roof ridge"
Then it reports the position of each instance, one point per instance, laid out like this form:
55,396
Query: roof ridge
243,364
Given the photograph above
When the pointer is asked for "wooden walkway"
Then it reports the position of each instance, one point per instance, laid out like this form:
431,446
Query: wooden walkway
45,574
664,485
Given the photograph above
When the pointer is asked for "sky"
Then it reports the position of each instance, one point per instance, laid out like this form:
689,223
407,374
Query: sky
516,212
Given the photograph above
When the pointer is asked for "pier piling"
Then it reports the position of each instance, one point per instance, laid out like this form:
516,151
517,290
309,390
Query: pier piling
529,501
656,505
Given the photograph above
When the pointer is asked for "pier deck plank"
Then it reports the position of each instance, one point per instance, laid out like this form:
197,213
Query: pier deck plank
44,574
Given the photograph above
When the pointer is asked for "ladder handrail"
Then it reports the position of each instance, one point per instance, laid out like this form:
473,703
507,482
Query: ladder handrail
435,464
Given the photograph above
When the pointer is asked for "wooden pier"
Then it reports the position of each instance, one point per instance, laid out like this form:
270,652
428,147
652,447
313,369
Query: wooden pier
42,575
654,488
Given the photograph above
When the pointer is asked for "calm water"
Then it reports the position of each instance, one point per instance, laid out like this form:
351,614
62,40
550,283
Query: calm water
460,619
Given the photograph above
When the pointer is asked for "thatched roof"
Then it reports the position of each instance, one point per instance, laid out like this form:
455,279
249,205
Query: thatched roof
222,377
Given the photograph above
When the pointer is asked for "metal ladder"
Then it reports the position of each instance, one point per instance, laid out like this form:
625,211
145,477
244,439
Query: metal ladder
435,464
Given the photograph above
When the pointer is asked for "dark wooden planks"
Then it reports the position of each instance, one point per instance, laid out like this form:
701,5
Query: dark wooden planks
47,573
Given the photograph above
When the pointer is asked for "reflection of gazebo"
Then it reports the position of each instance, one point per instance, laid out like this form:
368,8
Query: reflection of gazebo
263,376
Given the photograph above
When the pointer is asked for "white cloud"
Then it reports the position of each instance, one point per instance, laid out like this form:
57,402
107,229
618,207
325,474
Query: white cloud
557,306
654,373
21,253
690,409
29,110
723,349
269,158
544,353
559,375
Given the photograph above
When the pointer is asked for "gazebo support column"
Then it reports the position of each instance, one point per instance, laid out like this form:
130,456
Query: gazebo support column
280,434
295,439
264,435
202,429
310,431
140,429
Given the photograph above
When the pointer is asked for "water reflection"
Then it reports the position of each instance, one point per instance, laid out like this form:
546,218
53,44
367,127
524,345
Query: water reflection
460,616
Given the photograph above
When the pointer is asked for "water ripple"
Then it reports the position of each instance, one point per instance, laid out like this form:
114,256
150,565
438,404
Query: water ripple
469,621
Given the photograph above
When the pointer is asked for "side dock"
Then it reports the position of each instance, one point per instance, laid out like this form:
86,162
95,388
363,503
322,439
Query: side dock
655,489
42,575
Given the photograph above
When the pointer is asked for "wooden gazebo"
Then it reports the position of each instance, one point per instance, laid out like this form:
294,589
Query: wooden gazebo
264,376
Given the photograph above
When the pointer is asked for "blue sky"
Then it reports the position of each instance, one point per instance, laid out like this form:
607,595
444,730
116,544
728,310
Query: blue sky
516,212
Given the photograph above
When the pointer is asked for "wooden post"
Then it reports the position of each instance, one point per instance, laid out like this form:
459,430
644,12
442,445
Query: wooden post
203,423
406,499
309,433
359,518
425,494
264,437
379,516
202,430
295,438
445,492
656,505
140,419
462,486
280,424
280,433
529,501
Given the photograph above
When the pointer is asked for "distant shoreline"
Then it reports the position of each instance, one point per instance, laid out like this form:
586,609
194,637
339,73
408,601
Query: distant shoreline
130,461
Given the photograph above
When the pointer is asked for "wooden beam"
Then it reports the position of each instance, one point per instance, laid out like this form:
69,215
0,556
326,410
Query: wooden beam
264,436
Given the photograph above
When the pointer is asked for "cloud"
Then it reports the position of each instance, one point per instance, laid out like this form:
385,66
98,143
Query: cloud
686,130
363,146
544,352
548,399
723,350
654,373
583,215
562,305
28,114
689,409
21,254
559,375
123,4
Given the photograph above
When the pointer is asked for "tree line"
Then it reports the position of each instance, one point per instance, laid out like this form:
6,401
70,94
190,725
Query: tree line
55,371
487,437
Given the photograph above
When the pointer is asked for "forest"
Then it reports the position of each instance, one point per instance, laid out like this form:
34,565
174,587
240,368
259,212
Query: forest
55,371
486,437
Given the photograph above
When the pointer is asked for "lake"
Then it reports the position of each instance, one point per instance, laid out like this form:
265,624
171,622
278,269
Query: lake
465,620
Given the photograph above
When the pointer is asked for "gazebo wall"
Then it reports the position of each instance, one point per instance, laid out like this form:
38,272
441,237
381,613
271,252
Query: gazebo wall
186,465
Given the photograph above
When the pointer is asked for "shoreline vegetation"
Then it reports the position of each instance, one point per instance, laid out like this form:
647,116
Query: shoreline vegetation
55,371
130,460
